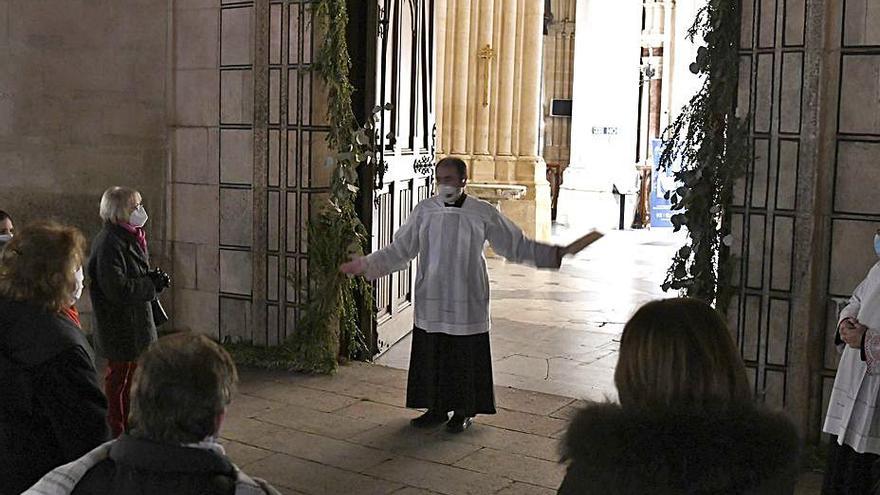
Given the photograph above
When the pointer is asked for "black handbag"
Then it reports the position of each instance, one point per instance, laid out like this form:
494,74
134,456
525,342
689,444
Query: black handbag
160,317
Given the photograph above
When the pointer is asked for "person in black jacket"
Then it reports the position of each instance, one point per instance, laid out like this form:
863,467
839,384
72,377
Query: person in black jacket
686,422
182,386
52,409
124,291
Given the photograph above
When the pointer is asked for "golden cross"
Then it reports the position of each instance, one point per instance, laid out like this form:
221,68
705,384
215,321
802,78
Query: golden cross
487,53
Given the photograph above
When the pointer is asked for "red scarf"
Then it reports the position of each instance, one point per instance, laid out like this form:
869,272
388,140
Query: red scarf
138,233
72,314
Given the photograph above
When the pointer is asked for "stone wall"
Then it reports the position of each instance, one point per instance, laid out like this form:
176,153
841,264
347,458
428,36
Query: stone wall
83,107
194,141
248,164
807,211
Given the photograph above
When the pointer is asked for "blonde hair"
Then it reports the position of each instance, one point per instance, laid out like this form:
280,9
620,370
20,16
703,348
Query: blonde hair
679,353
38,265
117,203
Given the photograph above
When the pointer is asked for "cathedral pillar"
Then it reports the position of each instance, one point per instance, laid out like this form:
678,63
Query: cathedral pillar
488,100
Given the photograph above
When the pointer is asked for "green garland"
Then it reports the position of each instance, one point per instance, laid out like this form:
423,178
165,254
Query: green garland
329,327
712,148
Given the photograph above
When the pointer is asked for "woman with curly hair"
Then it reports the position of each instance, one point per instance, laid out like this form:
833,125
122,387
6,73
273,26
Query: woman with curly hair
52,409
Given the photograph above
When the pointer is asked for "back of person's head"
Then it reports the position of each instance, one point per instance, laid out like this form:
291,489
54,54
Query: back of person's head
678,353
181,388
457,163
39,265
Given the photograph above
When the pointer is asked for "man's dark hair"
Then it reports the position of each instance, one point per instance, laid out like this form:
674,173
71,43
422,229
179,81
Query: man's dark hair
182,383
4,216
458,163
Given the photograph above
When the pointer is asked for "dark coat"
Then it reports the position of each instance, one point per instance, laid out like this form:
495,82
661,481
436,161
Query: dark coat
121,294
52,410
612,451
138,466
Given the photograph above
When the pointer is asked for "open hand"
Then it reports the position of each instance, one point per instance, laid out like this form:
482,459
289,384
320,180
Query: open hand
356,266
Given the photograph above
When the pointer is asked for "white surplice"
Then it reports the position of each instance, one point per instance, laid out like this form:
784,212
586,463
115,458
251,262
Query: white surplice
452,283
852,409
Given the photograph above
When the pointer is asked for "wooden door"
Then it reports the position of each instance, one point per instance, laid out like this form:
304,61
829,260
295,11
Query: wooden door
400,72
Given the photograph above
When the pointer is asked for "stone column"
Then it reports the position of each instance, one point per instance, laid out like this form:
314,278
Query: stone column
605,112
492,74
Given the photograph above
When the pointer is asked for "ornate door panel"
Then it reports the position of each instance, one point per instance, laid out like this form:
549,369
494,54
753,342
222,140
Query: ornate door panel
404,78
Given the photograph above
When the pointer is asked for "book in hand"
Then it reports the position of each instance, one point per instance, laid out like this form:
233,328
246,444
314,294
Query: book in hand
581,243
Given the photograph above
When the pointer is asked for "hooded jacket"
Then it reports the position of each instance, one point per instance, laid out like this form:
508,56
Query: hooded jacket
616,451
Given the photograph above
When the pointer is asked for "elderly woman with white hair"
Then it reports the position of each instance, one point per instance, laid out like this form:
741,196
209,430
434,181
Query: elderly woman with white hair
124,294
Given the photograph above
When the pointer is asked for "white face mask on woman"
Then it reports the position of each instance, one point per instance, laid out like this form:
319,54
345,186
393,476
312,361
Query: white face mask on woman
138,217
78,289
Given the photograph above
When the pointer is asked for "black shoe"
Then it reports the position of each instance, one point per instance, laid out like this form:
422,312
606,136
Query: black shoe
458,423
429,419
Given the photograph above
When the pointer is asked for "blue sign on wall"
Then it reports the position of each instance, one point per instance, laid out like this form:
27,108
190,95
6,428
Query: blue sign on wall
661,182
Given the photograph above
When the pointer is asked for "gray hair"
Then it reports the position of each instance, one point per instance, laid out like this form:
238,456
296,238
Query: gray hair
182,383
116,204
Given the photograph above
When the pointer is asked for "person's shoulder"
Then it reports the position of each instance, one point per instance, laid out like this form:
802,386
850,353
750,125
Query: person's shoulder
874,271
98,480
482,208
429,204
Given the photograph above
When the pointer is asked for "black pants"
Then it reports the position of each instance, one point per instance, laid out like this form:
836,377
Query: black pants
850,473
450,373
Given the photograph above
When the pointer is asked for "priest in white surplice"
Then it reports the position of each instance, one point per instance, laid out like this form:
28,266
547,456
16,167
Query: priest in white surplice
852,419
450,363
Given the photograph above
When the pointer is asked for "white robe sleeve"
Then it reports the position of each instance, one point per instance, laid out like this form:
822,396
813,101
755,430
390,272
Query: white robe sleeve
871,351
852,309
509,241
397,255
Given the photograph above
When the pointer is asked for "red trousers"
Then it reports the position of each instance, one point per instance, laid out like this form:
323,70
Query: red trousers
117,385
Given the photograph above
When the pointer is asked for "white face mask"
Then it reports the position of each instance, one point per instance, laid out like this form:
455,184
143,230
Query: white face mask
138,217
877,244
449,194
4,238
77,292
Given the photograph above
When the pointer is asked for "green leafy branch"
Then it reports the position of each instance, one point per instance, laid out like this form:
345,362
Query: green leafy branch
710,145
329,328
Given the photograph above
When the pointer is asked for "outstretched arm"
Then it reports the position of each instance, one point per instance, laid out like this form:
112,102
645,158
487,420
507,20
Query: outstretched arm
393,257
509,241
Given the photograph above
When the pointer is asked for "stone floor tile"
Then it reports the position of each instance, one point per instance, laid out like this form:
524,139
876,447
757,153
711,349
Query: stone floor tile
317,479
246,430
524,422
510,441
324,450
377,412
569,411
526,489
438,477
516,467
413,491
400,438
243,454
310,398
316,422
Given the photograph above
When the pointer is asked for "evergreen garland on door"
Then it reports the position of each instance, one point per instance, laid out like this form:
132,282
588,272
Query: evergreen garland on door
328,330
710,144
